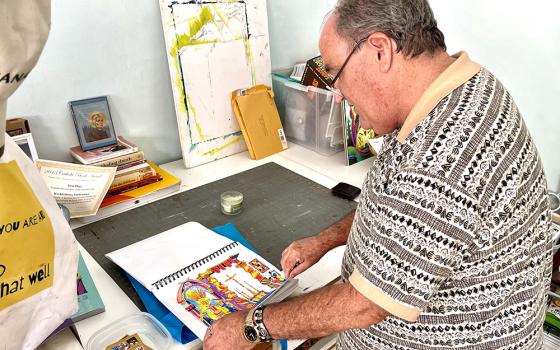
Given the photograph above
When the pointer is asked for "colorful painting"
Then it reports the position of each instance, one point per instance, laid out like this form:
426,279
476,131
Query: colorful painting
257,264
232,285
356,138
275,274
213,47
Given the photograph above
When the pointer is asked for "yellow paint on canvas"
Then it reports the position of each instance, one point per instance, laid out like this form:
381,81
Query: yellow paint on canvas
251,61
197,125
218,149
222,17
195,25
26,239
183,40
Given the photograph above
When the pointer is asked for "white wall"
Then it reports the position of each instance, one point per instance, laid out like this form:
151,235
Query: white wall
294,27
519,41
113,48
116,48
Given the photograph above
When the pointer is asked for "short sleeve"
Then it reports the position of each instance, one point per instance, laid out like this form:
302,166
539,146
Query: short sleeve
409,237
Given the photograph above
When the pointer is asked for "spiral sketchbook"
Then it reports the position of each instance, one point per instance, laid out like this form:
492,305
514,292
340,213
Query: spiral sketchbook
201,276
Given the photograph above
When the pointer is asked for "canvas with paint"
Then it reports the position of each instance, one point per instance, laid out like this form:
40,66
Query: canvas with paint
201,276
213,48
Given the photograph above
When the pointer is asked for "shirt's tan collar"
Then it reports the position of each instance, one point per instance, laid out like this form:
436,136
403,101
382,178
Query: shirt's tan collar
452,77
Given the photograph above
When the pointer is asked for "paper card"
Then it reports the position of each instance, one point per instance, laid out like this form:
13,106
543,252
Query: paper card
80,188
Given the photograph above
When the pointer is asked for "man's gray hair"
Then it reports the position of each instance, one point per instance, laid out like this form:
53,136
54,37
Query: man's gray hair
410,23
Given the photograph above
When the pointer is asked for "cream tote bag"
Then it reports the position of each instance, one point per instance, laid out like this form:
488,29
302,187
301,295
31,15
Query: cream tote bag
38,251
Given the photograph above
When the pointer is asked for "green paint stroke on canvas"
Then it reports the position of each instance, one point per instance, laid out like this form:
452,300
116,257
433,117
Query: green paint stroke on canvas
195,25
222,17
251,61
218,149
248,50
183,40
197,124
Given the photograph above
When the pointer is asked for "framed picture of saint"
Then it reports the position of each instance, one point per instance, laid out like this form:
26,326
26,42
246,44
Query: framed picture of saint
93,122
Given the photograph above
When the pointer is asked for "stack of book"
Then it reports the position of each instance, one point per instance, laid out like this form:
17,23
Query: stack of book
136,180
132,169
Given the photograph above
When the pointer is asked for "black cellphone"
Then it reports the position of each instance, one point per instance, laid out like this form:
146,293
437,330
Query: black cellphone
346,191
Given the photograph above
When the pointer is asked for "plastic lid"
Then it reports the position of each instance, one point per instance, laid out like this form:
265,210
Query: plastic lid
149,329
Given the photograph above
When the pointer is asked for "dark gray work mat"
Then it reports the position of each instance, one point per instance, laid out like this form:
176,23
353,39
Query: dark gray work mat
279,206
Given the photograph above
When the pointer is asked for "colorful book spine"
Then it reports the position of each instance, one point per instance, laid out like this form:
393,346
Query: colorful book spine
167,184
118,161
135,176
125,166
122,189
131,168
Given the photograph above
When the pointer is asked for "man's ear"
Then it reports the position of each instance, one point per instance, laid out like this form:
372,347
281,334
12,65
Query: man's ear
383,50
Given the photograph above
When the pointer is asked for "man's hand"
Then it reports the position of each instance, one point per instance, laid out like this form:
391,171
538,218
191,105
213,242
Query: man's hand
227,333
301,255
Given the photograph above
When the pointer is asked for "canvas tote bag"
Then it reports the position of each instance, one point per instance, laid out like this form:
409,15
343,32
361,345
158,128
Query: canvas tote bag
38,251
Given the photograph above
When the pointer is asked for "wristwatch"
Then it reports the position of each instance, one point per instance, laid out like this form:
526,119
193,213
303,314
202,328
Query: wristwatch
249,330
254,329
264,334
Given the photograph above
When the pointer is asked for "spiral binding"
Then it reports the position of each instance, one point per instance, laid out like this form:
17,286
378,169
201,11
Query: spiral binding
180,273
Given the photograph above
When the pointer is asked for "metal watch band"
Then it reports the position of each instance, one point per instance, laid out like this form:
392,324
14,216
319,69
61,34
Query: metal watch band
258,321
249,318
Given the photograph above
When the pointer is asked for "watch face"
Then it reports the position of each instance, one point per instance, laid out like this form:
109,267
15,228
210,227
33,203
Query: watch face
250,334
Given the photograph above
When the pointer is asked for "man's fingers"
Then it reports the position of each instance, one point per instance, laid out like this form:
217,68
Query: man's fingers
208,343
298,268
287,267
287,260
285,256
205,341
288,264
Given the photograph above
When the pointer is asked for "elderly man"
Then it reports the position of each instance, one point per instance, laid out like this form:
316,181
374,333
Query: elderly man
449,246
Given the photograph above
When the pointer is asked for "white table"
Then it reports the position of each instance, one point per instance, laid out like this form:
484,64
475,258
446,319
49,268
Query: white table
327,171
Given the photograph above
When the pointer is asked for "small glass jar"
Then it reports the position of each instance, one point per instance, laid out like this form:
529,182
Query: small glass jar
231,202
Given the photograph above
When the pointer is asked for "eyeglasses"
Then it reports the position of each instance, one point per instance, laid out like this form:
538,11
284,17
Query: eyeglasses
335,78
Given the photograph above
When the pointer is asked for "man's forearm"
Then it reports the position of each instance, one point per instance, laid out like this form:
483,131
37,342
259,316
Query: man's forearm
326,311
337,234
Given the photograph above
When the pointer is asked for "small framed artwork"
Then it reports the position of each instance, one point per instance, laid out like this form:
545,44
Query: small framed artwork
92,119
25,142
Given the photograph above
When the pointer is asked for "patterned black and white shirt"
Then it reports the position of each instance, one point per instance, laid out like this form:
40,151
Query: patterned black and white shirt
452,232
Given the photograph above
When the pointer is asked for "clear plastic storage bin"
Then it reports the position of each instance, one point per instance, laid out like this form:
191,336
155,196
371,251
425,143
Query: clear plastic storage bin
310,116
150,331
